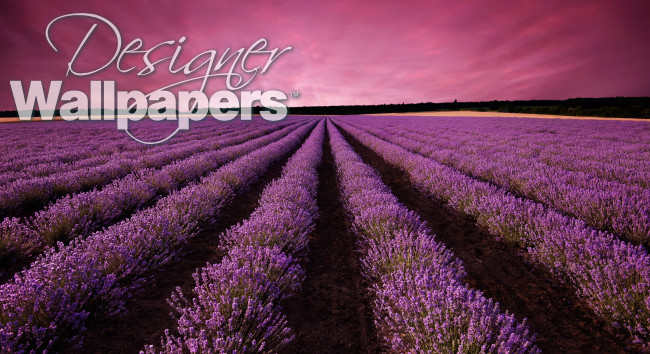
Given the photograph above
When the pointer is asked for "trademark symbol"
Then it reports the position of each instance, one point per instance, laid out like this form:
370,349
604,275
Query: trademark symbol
295,94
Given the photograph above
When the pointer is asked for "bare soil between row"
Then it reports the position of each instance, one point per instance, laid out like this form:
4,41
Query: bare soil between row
504,272
333,311
149,314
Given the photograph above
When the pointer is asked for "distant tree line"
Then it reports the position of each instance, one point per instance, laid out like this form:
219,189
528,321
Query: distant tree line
623,107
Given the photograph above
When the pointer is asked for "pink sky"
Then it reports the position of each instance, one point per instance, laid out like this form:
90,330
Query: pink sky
357,52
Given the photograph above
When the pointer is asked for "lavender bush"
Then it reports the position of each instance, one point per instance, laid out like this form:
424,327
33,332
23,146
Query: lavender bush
49,303
422,304
86,150
235,304
611,275
39,191
502,158
81,214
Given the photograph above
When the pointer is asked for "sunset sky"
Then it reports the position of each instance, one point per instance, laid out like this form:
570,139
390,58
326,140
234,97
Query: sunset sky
355,52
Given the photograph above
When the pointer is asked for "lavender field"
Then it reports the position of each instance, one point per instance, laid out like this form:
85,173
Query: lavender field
327,234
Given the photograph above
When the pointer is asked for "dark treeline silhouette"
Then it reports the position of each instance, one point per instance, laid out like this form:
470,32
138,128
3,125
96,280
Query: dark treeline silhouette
624,107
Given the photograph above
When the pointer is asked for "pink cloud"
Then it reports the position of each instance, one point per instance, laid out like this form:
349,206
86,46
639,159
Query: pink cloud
353,52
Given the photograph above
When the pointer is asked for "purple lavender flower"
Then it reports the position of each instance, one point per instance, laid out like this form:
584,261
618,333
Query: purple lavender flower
421,302
49,303
235,304
613,276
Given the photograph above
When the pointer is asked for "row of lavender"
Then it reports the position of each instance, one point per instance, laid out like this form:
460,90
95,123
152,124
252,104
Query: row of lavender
235,307
43,140
608,205
74,154
422,303
593,151
81,214
611,275
612,150
48,305
28,144
37,192
33,144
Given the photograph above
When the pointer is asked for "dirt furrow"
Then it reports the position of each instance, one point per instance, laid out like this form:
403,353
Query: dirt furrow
333,312
505,273
148,315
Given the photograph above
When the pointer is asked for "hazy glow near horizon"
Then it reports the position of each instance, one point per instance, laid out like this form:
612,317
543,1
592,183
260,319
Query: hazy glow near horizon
350,52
